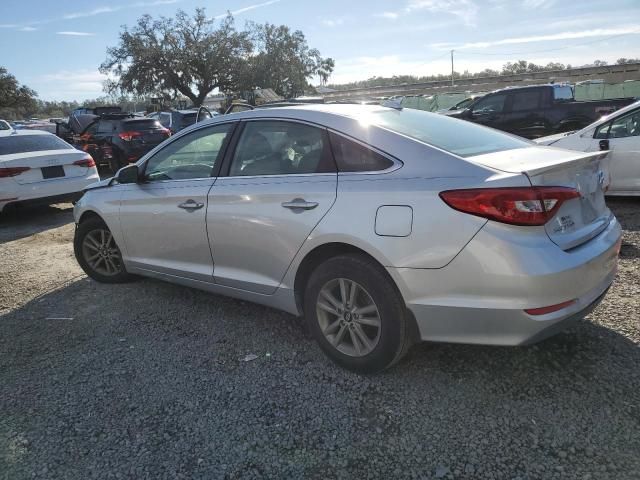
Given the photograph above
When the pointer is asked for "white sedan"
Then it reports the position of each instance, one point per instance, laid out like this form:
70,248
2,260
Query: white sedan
37,167
619,133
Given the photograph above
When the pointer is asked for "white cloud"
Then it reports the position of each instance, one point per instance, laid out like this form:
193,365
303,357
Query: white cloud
116,8
597,32
92,13
465,10
247,9
27,29
387,15
535,4
332,22
69,84
76,34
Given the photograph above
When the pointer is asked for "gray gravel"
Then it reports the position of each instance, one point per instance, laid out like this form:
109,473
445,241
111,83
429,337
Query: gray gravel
149,380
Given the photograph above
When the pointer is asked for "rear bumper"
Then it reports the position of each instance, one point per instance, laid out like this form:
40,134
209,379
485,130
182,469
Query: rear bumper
48,192
481,296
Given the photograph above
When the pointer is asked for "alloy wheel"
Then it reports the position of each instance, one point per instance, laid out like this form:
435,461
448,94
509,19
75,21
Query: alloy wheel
101,252
348,317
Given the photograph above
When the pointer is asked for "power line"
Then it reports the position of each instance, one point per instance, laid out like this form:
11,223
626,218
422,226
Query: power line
464,52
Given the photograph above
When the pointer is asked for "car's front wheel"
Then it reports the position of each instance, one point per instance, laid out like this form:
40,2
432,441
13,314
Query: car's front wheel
356,314
98,254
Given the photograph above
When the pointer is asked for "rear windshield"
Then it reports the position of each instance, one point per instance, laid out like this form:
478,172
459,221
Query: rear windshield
143,124
31,143
459,137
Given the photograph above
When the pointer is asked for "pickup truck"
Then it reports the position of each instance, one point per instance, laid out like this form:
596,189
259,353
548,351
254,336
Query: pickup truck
537,111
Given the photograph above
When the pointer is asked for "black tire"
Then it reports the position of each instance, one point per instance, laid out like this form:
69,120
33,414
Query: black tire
91,226
393,339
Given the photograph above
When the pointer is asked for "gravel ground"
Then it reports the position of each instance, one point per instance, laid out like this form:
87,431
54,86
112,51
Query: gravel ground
147,380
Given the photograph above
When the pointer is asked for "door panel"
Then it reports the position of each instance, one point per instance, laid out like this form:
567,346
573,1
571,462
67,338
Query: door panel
163,219
283,181
254,237
624,164
161,236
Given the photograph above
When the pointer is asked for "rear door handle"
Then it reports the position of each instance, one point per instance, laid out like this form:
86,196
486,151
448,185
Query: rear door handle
191,205
300,204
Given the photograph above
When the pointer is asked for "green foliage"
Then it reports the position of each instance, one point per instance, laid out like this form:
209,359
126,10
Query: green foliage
16,100
192,56
282,60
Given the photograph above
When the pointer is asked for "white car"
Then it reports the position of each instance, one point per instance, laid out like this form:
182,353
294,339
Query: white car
37,167
619,133
4,125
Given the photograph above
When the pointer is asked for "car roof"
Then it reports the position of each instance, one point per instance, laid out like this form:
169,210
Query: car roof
319,110
22,133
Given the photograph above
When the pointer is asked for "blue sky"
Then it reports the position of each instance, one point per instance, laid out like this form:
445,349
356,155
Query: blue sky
56,46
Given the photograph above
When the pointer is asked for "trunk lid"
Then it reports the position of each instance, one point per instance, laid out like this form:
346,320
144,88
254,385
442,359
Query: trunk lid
56,164
577,220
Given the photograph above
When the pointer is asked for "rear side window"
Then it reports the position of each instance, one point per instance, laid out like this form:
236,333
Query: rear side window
353,157
31,143
526,100
281,148
563,93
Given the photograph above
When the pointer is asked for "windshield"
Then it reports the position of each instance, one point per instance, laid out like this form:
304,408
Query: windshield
31,143
4,125
459,137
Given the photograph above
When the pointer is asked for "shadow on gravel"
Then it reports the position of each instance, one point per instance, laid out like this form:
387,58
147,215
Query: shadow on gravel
21,222
627,210
153,376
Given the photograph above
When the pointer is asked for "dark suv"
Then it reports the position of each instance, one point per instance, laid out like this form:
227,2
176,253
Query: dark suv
119,139
176,120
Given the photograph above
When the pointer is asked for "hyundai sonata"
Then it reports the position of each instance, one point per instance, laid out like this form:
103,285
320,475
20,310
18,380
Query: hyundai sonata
380,226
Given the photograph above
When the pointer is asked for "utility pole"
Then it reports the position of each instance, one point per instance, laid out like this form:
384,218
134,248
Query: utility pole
452,68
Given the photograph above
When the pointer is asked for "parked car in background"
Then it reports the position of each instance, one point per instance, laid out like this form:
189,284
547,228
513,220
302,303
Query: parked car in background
466,103
176,120
619,133
37,167
381,226
536,111
119,139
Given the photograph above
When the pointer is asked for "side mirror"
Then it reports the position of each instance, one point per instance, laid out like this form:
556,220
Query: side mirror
604,144
128,174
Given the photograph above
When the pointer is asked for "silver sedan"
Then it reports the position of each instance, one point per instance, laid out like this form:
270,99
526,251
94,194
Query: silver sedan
381,226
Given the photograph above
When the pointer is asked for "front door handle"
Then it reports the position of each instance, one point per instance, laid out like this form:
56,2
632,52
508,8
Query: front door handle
191,205
299,204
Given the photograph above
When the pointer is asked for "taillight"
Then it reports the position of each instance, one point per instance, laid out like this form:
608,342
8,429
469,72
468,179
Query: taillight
550,308
166,132
12,171
128,136
86,162
512,205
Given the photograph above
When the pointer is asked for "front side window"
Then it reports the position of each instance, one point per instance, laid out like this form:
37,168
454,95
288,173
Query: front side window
526,100
490,104
625,126
281,148
353,157
194,155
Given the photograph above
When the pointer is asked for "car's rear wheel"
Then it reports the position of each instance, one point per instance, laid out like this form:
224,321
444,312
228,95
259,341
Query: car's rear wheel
356,314
98,254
